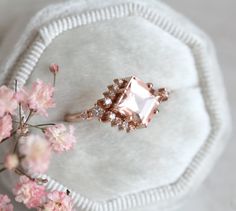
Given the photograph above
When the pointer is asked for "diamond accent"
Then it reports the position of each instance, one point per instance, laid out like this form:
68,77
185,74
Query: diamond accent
125,125
112,116
97,111
107,101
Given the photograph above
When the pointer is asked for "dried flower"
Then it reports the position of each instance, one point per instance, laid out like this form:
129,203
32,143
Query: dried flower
60,138
32,153
38,99
36,152
5,204
58,201
54,68
22,96
8,103
11,161
5,126
29,192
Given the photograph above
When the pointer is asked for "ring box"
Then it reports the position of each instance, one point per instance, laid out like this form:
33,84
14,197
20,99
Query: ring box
96,41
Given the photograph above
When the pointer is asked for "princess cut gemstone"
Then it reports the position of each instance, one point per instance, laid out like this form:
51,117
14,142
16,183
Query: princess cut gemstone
137,102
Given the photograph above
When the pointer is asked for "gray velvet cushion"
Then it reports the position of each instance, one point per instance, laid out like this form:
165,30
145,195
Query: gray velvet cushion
95,42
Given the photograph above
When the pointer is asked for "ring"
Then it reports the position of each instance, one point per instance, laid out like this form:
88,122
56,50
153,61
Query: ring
129,103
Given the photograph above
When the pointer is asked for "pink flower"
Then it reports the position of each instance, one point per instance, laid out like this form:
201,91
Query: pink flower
29,192
38,99
5,126
5,204
41,97
11,161
36,152
58,201
8,103
54,68
60,138
22,97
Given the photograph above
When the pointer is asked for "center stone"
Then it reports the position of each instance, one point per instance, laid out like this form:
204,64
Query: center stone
137,102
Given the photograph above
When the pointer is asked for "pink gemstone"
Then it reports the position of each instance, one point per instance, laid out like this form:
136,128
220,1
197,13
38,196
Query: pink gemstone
137,102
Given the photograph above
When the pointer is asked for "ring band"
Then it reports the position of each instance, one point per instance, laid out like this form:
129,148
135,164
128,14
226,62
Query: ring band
129,103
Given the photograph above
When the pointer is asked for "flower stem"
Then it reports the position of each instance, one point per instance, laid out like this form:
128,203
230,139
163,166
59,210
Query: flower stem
38,180
20,172
16,82
54,79
20,115
29,116
40,126
16,144
35,126
2,170
5,139
46,124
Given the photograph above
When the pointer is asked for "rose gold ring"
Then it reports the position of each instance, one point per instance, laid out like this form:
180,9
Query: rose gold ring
129,103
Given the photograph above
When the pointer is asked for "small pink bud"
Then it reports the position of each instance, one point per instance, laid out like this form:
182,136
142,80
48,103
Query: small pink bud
54,68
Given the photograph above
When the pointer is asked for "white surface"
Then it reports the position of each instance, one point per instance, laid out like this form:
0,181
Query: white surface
210,202
216,17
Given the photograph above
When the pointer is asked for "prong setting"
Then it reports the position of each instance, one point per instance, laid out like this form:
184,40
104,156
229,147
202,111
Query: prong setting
128,103
121,89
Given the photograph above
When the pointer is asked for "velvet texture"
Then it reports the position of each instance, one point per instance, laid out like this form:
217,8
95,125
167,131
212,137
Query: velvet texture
107,164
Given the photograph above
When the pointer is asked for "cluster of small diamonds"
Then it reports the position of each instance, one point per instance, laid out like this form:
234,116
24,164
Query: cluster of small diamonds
104,108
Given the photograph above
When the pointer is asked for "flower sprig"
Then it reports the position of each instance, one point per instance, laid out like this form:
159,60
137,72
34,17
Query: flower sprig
30,153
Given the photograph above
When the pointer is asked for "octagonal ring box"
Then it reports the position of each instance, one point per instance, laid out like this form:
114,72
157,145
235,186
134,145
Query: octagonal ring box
97,41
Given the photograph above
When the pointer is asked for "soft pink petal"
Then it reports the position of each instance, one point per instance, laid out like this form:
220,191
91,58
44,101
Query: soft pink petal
60,138
36,152
5,203
41,97
5,126
58,201
8,103
29,193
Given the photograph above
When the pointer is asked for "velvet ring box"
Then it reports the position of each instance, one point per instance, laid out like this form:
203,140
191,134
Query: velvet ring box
97,41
